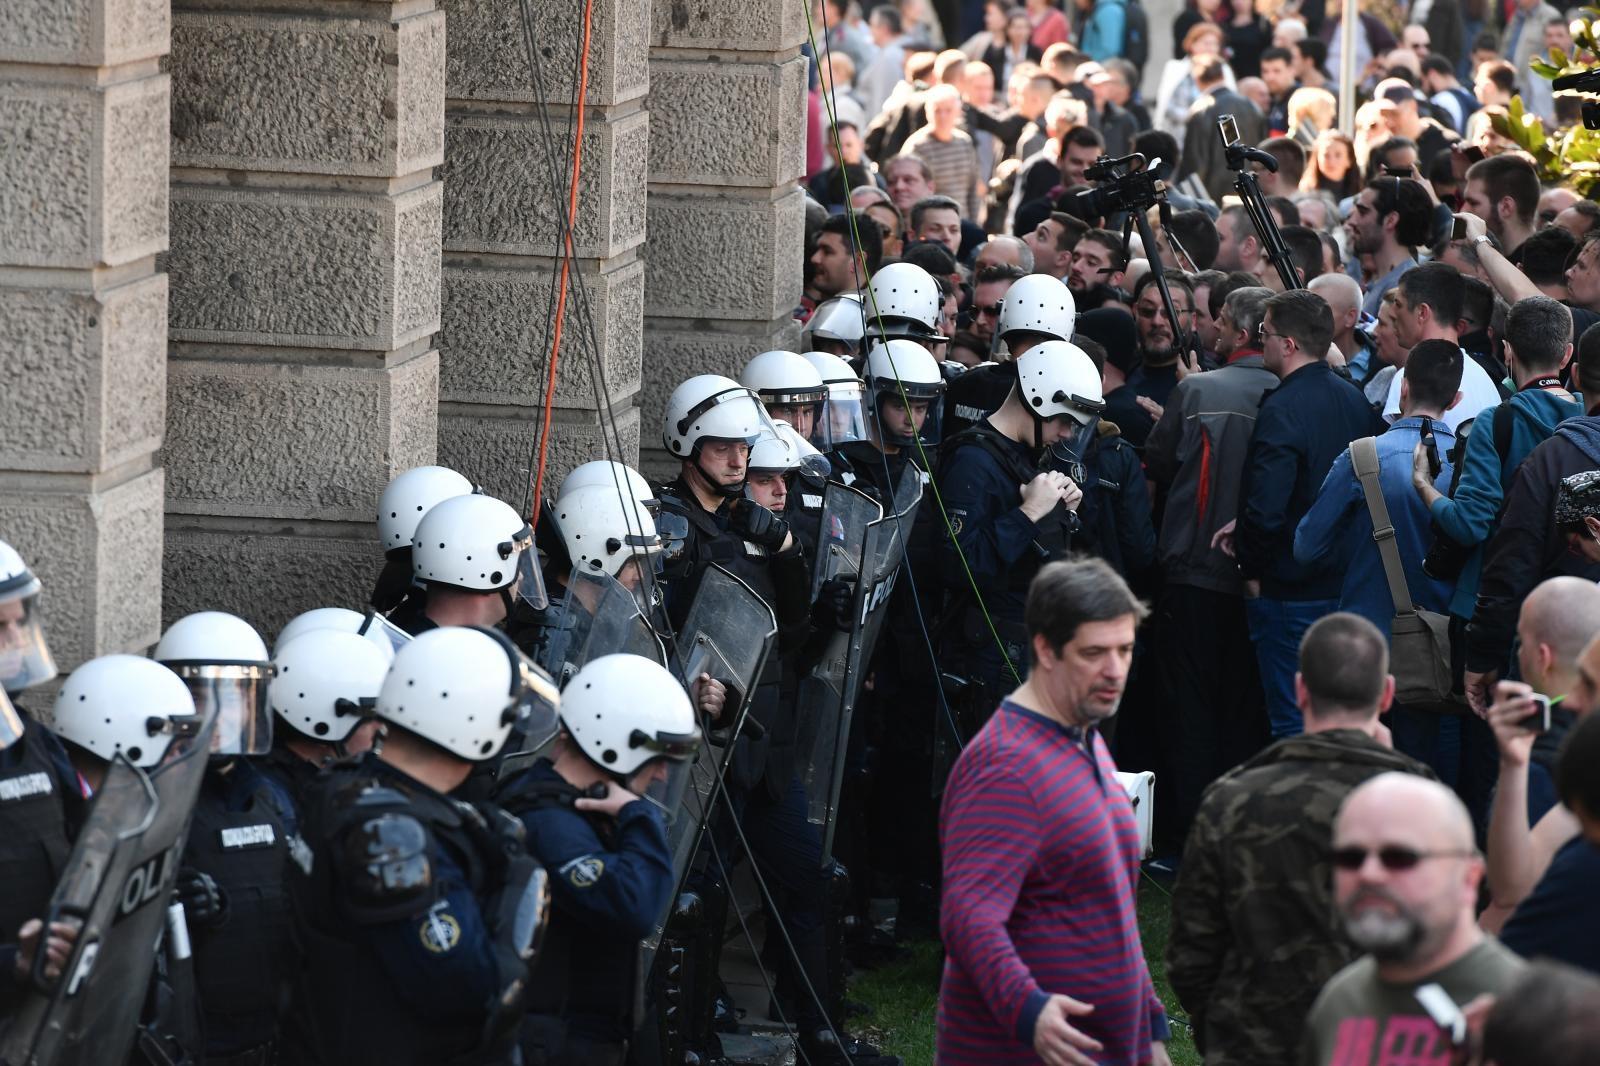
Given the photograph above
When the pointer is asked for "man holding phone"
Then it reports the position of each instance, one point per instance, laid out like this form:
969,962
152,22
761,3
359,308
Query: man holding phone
1557,625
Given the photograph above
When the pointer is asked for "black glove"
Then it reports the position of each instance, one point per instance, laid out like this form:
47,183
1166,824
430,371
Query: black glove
205,905
758,525
836,603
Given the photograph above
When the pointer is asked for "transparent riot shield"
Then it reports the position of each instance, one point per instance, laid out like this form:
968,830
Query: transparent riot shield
847,514
116,888
727,635
883,549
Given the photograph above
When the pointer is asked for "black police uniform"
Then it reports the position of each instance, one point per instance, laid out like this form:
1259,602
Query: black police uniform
976,395
980,477
409,950
244,954
41,808
610,879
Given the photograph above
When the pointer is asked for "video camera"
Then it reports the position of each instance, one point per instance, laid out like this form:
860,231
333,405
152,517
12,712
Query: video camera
1132,190
1587,81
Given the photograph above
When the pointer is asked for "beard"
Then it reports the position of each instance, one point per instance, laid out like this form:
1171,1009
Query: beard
1388,936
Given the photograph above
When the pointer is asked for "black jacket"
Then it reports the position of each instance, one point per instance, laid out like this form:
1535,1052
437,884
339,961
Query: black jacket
1302,426
1527,547
1203,152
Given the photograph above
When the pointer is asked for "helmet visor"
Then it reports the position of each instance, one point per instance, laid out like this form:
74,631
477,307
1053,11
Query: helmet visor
904,418
1071,451
529,583
236,693
533,705
10,723
25,658
843,419
664,780
384,633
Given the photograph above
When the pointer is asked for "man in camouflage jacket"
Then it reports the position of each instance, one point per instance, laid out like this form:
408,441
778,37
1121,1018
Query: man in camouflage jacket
1254,933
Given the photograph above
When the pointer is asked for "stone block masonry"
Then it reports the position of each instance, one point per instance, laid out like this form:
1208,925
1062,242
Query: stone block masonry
306,255
83,313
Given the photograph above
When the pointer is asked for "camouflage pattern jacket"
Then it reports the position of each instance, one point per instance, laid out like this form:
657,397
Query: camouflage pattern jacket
1254,935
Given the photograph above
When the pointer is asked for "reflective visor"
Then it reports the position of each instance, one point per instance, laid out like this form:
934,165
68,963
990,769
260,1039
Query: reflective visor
534,701
380,630
25,658
236,693
843,419
529,581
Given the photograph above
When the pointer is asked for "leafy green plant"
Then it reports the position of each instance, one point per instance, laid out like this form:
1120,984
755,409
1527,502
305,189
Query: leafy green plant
1564,157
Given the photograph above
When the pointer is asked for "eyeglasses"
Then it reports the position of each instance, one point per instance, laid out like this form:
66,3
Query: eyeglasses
988,309
1392,857
1264,333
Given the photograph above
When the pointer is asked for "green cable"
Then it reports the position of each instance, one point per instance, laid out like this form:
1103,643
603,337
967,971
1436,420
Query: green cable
855,232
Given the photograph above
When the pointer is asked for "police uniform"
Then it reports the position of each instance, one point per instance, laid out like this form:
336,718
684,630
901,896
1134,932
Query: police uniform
977,394
610,878
41,808
402,919
240,836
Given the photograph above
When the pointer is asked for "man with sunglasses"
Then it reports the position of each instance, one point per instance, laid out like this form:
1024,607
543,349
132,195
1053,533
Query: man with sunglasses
1253,929
1405,881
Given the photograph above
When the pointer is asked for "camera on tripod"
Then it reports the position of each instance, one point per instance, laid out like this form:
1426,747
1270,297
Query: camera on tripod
1132,190
1587,81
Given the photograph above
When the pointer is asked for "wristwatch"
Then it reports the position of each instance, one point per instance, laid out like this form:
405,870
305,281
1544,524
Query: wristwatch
1482,238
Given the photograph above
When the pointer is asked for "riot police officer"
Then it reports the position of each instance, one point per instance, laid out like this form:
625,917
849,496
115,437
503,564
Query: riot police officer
474,556
323,691
375,628
233,882
595,814
904,301
836,326
408,496
788,386
417,910
903,385
1007,517
41,802
1037,308
843,417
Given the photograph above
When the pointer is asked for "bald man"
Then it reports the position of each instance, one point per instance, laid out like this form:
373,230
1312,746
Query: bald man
1001,250
1405,882
1344,298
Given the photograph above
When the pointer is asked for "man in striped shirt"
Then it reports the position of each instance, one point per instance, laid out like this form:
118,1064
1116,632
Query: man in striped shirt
947,149
1041,853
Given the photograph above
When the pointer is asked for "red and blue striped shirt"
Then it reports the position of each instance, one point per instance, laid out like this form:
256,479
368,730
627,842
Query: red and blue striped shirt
1041,860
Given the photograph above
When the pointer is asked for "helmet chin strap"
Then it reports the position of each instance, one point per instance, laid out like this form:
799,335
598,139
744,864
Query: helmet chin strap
725,491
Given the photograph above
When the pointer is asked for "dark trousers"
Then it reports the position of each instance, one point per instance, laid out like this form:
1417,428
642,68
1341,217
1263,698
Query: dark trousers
1460,748
1214,717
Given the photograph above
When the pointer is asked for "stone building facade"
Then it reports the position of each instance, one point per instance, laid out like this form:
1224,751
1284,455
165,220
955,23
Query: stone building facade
256,258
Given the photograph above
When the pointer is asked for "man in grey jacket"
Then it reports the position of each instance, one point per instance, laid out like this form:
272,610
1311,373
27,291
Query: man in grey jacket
1205,665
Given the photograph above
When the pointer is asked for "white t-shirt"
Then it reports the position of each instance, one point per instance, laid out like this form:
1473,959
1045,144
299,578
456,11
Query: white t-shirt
1477,392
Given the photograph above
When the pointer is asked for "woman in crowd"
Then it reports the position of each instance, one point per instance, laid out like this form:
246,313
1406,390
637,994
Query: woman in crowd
1177,89
1193,14
1049,24
1248,35
1310,112
1014,49
1331,166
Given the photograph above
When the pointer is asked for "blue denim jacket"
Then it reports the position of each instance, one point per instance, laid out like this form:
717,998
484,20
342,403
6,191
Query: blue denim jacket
1339,527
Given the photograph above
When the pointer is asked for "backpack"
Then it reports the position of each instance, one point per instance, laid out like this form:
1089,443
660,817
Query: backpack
1136,35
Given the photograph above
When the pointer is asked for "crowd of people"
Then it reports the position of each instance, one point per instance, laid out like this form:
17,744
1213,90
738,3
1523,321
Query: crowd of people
1340,437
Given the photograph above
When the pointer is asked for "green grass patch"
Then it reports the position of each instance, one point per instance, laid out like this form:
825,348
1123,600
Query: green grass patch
904,995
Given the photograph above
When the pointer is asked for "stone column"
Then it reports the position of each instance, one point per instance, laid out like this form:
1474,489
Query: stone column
305,293
727,219
501,207
83,312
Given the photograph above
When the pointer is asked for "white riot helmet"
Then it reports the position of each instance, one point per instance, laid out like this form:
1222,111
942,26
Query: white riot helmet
632,719
481,544
1057,379
127,705
788,386
25,658
710,407
225,664
465,689
327,683
614,476
843,416
837,323
377,629
786,452
602,531
905,302
898,371
411,495
1038,304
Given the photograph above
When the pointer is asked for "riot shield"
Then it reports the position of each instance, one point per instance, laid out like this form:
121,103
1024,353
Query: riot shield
116,885
883,549
727,635
847,514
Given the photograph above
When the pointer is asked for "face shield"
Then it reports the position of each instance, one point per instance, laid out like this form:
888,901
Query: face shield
236,694
384,633
905,418
673,529
25,658
843,417
183,728
534,700
529,583
10,723
664,779
1070,452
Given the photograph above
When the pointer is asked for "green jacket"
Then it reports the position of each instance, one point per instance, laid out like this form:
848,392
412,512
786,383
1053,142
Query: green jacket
1254,934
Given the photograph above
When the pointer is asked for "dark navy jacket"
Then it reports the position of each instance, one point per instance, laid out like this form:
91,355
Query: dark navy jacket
1302,426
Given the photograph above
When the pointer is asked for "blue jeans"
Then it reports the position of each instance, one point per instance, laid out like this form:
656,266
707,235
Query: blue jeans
1276,627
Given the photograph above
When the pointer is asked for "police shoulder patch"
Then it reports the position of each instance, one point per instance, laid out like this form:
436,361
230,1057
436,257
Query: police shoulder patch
584,872
956,520
440,932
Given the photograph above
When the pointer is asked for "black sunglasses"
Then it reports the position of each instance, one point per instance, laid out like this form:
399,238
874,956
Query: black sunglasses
1392,857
